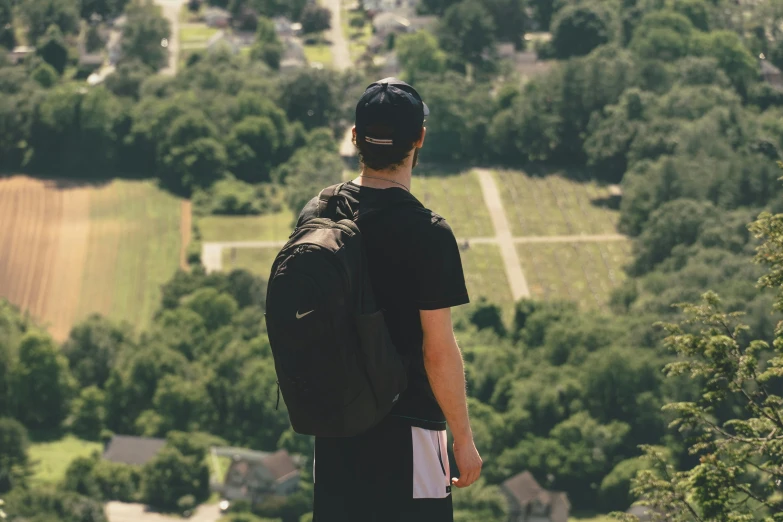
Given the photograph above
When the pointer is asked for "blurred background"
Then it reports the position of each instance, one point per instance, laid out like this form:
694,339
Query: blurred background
598,160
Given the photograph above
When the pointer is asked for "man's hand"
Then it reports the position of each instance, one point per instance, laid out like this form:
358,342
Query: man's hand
469,463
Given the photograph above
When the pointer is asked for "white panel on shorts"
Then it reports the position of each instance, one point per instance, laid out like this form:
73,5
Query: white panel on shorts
430,464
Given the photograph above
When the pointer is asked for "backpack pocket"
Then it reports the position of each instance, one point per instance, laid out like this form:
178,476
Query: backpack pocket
386,371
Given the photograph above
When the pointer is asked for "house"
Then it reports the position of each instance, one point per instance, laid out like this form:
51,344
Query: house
529,502
136,451
114,47
403,7
216,17
255,476
771,74
285,28
293,54
19,53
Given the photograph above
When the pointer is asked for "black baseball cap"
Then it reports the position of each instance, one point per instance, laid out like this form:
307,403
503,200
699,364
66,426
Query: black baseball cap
390,112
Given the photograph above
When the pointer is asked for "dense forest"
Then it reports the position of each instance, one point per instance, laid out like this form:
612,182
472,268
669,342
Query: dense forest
664,97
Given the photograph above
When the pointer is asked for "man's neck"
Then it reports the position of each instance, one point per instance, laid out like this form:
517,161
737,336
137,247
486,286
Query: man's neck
385,178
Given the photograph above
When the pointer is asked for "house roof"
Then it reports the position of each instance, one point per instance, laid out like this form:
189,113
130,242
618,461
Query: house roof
524,489
280,464
132,450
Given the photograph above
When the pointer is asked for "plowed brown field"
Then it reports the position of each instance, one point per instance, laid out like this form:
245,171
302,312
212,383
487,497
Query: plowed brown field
43,241
66,253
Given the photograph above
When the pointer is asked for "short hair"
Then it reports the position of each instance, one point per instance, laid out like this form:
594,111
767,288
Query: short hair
382,157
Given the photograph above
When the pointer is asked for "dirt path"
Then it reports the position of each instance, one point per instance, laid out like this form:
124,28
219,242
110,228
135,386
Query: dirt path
340,52
171,10
185,231
516,278
121,512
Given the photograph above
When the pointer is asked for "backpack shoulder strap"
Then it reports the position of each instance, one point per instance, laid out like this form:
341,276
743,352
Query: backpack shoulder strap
325,196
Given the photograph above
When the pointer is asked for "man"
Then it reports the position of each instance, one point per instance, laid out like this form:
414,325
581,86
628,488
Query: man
399,470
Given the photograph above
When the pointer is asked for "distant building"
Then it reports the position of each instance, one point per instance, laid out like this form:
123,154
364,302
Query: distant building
19,53
771,74
255,476
293,55
216,17
222,40
285,28
529,502
403,7
136,451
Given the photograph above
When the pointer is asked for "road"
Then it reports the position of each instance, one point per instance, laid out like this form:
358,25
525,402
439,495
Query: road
171,10
122,512
340,53
508,251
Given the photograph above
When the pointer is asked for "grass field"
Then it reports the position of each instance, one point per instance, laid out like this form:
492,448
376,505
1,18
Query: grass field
358,37
582,272
554,205
256,260
133,248
195,34
71,250
269,227
457,198
51,459
319,53
485,275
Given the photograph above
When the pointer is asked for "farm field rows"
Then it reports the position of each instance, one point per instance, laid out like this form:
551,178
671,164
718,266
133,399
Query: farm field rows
459,199
554,205
582,272
256,260
70,251
485,275
269,227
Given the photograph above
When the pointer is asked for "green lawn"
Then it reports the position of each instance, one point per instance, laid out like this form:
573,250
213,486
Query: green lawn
51,459
459,199
554,205
133,248
485,275
320,53
256,260
582,272
600,518
196,34
269,227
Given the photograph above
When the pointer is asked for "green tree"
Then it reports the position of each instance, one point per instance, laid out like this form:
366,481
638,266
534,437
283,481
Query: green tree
663,35
311,97
93,348
733,57
315,19
419,53
13,453
45,75
103,8
697,11
268,48
215,308
42,14
52,49
7,37
580,28
172,475
252,146
48,504
143,33
42,385
467,32
89,413
181,403
79,477
127,79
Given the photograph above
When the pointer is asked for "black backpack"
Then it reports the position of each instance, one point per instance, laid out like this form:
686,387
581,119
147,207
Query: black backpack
336,365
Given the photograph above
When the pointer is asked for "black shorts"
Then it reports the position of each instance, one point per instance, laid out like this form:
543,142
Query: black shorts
392,473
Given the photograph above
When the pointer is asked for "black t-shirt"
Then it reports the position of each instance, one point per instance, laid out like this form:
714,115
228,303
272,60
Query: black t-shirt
414,264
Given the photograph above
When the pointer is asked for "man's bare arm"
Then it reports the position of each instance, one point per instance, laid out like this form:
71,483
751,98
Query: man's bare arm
446,373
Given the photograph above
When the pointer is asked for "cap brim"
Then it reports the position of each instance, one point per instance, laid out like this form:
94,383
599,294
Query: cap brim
426,109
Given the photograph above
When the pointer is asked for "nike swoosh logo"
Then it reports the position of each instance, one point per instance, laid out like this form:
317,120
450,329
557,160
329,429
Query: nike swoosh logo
299,316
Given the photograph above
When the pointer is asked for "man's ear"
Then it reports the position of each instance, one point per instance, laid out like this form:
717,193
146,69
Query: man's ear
353,135
419,144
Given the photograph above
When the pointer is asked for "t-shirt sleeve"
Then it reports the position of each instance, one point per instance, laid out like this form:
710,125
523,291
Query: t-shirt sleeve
440,280
309,212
